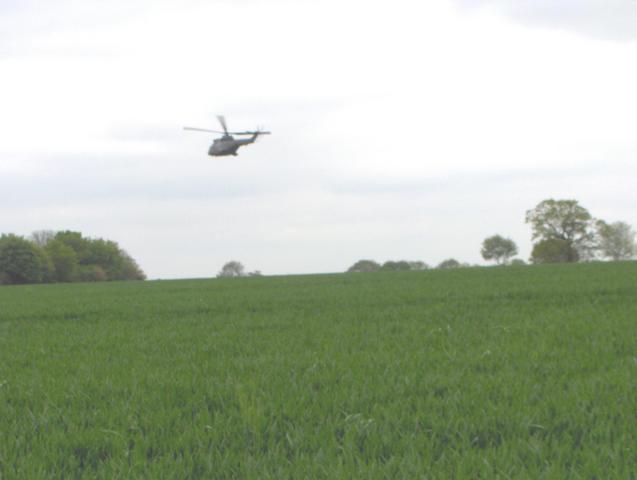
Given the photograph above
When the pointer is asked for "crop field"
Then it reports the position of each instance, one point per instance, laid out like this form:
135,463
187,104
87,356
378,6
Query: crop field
478,373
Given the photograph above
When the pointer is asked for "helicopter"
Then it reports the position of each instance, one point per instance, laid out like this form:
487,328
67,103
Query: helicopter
227,145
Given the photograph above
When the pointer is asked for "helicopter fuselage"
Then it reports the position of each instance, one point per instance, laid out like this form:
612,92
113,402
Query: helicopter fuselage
227,145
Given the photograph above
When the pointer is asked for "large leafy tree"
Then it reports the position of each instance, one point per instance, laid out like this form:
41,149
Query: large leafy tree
499,249
418,265
616,240
364,266
450,263
566,224
21,261
232,269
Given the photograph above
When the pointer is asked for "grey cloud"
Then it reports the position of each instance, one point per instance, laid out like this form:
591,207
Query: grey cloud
607,19
8,6
72,179
26,27
472,181
145,133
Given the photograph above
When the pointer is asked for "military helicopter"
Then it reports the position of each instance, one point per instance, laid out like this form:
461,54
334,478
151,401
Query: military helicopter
227,145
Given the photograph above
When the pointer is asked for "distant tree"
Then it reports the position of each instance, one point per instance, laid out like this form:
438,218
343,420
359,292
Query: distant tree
517,262
364,266
567,226
418,265
553,250
449,263
616,240
42,237
21,261
393,266
499,249
231,269
256,273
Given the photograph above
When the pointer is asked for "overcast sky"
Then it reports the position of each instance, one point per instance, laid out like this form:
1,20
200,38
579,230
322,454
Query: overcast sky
401,130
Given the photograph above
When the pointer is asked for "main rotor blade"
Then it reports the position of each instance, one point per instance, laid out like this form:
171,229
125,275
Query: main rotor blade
251,133
202,130
222,121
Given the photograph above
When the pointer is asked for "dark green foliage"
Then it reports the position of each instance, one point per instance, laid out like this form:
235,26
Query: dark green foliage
91,273
364,266
554,250
124,268
449,263
232,269
389,266
395,266
472,373
101,252
21,261
418,265
64,260
76,242
46,266
115,263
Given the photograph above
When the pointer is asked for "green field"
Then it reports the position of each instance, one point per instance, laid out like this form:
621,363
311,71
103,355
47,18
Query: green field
517,372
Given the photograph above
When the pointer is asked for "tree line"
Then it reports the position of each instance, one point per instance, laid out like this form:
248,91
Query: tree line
65,256
562,230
